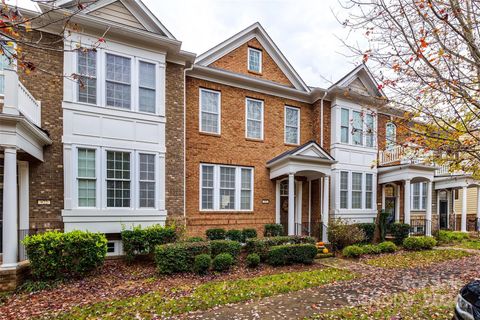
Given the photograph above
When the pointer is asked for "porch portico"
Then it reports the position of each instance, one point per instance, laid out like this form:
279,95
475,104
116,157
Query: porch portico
308,163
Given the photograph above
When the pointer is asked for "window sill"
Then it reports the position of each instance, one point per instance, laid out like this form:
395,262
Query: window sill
254,140
292,144
255,72
210,134
218,212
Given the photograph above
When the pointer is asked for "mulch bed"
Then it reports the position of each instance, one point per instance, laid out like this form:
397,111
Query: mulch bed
117,279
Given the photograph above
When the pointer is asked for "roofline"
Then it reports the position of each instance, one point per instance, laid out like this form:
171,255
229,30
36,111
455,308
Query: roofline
38,132
406,166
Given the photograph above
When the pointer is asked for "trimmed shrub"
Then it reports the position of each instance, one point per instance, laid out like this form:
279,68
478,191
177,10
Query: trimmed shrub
419,243
216,234
342,234
222,262
261,246
445,236
225,246
235,235
273,230
399,231
179,257
194,239
202,263
249,234
371,249
140,241
353,251
253,260
387,247
368,230
56,255
291,253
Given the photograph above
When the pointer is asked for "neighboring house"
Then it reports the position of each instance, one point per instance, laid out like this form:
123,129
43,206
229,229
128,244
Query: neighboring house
101,156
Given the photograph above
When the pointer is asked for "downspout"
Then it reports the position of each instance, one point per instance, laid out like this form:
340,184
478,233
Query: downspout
321,118
185,143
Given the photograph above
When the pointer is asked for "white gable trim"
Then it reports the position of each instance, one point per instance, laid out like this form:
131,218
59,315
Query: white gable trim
364,75
312,150
254,31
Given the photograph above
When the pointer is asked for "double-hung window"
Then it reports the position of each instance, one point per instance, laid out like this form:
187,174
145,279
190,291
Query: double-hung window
369,130
87,72
146,90
209,111
369,191
86,177
226,188
254,60
118,81
357,187
419,195
254,115
390,135
357,134
146,180
118,179
344,189
292,125
345,115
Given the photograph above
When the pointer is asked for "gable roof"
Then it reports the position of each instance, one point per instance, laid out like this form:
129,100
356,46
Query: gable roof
355,79
141,17
254,31
310,149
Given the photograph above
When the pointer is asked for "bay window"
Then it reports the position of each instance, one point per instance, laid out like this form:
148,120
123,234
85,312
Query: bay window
209,111
254,116
87,71
292,125
356,190
118,81
226,188
356,127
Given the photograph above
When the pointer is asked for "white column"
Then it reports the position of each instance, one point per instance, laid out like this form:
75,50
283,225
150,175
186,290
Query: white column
23,195
277,201
397,203
464,210
291,204
309,207
326,207
478,208
406,206
429,209
383,197
10,223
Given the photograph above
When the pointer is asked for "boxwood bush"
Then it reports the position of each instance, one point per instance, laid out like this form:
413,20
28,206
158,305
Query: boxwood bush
249,234
273,230
225,246
369,230
202,263
353,251
57,255
235,235
387,247
179,257
419,243
261,246
253,260
371,249
216,234
399,231
222,262
445,236
291,253
140,241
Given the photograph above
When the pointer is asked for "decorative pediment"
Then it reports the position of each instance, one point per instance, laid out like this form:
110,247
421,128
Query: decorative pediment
361,81
312,149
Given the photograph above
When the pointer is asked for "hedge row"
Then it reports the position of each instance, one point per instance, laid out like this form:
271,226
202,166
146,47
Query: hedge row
56,254
140,241
419,243
234,235
291,253
355,251
262,246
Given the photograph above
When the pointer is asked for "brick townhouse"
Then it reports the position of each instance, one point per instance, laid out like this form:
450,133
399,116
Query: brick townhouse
250,143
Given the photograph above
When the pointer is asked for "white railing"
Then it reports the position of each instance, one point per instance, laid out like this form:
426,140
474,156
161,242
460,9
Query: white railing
391,155
444,170
18,99
403,155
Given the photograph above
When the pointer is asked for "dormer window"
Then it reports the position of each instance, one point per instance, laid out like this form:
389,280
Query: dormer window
254,60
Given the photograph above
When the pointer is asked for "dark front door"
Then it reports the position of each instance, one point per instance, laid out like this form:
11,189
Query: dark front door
284,213
443,214
390,208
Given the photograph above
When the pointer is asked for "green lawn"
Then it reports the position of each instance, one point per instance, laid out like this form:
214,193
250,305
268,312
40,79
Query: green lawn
425,304
206,296
415,259
469,244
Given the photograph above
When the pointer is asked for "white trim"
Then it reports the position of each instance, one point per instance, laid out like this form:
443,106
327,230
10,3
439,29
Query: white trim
246,118
219,110
250,49
285,124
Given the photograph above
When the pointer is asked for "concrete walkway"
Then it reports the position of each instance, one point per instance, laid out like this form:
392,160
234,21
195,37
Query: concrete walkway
373,284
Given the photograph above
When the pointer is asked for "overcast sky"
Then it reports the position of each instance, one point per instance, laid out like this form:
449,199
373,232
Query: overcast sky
306,31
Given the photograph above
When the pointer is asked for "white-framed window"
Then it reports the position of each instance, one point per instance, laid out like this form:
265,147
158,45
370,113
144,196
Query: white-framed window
87,71
86,177
369,130
292,125
118,81
146,87
254,60
147,180
226,188
344,190
357,190
344,125
368,191
254,119
118,179
419,196
390,135
357,123
210,113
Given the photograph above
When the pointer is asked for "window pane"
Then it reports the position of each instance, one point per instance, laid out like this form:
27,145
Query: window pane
86,163
356,190
343,190
369,123
424,195
369,191
254,60
207,187
118,179
344,180
356,181
209,101
254,119
291,117
146,100
210,104
246,193
87,70
390,135
147,194
147,180
147,75
357,128
345,119
118,81
227,188
86,193
291,125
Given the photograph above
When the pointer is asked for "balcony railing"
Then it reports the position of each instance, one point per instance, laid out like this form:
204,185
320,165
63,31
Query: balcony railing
403,155
19,100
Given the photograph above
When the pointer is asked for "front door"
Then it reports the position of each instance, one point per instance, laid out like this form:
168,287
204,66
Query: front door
443,214
284,205
390,208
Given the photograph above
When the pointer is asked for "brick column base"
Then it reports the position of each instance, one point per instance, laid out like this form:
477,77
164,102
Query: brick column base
10,279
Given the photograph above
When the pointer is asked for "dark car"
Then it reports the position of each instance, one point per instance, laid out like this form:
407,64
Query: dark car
468,302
